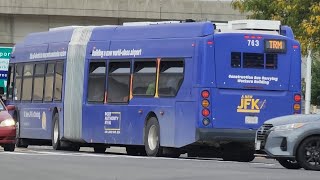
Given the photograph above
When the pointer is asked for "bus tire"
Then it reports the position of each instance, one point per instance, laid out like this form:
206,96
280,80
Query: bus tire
152,138
20,143
56,143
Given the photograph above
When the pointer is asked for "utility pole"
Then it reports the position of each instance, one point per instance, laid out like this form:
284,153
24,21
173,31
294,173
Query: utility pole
308,84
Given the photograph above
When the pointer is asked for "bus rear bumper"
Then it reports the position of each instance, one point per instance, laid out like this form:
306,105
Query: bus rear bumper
225,135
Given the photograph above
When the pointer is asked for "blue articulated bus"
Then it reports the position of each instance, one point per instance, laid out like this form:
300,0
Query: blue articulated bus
158,90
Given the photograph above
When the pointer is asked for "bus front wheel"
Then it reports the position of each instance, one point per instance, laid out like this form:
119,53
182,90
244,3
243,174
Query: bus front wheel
152,138
56,144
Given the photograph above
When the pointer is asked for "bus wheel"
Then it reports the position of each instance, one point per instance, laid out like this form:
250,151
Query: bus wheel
308,153
152,138
19,142
56,144
99,149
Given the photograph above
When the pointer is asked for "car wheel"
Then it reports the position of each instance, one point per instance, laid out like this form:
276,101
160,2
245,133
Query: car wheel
56,144
152,138
9,147
289,164
308,153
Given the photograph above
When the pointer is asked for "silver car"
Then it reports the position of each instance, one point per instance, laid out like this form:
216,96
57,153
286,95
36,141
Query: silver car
293,140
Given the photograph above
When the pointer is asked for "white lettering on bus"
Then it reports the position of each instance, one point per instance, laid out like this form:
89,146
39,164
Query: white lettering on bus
119,52
48,55
253,79
32,114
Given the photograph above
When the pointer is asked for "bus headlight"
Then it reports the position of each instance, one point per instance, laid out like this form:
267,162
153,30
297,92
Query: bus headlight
288,127
7,123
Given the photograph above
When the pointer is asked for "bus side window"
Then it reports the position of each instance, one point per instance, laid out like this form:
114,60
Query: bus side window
96,82
49,81
10,82
170,77
38,82
58,81
144,78
118,82
27,82
18,82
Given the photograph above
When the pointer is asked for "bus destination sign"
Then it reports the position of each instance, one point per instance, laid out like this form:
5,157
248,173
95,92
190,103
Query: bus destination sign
275,45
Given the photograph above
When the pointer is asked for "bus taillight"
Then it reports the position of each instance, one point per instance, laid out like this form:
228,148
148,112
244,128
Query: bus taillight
296,107
205,103
205,112
297,98
205,94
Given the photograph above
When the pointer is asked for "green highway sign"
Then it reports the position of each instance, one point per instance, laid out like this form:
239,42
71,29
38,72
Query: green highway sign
5,53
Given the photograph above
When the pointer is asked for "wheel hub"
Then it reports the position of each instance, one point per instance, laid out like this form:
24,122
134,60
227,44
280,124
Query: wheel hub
56,133
153,137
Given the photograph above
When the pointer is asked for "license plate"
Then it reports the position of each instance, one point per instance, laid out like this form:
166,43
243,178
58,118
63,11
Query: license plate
258,145
251,120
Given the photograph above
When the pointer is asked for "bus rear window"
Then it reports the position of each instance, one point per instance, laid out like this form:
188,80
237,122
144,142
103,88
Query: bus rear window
271,61
236,59
253,60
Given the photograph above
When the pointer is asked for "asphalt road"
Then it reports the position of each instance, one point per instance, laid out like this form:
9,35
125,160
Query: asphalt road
41,163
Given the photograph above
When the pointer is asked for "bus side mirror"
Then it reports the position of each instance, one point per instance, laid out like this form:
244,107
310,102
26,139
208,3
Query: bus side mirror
11,107
1,90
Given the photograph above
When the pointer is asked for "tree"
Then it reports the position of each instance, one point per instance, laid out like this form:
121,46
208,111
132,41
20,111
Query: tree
302,15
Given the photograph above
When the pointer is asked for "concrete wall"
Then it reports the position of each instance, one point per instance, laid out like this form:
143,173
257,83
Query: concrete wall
20,17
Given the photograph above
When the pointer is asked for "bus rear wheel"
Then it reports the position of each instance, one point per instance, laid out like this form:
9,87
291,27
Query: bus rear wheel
152,138
56,144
